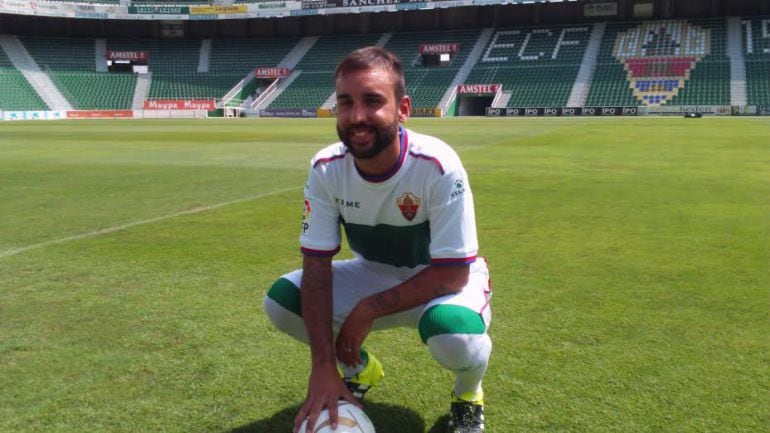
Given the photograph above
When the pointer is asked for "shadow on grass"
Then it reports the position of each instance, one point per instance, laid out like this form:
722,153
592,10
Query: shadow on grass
386,418
440,425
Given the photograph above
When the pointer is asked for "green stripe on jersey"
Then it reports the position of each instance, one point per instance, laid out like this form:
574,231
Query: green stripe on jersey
392,245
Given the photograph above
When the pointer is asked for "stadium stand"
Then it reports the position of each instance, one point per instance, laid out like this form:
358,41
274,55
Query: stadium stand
709,82
15,91
174,65
682,62
427,84
240,56
664,62
70,64
756,37
233,59
315,83
538,65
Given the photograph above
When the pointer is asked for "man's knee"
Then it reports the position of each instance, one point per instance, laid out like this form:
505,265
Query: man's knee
456,337
284,293
282,303
284,309
448,319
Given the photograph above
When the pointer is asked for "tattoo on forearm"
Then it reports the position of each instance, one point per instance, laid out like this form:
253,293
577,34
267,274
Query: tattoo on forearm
388,299
441,290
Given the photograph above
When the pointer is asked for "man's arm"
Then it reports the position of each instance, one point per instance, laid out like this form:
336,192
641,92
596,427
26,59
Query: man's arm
325,387
430,283
317,308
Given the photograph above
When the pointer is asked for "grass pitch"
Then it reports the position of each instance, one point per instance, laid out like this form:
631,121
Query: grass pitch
629,259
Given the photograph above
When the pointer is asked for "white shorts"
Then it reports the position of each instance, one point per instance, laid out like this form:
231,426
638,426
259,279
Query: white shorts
356,279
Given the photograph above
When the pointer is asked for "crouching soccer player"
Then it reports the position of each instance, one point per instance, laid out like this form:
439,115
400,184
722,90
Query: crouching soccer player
407,209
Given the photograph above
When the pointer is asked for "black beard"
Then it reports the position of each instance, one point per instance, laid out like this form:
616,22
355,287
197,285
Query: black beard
383,137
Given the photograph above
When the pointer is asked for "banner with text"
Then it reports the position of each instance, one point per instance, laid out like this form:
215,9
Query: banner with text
289,112
751,110
425,112
271,72
608,9
478,89
218,10
180,104
99,114
128,55
452,47
33,115
561,111
159,10
677,110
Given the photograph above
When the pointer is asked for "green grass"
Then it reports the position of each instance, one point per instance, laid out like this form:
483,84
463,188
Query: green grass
629,258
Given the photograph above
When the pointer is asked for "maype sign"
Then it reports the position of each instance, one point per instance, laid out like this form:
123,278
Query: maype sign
180,104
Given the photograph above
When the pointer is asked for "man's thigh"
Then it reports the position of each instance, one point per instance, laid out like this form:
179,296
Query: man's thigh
474,296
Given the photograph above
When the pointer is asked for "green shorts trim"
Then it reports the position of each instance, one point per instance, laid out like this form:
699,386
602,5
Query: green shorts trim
450,319
287,295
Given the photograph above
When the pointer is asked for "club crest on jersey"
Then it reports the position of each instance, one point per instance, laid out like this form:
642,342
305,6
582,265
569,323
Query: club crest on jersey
409,205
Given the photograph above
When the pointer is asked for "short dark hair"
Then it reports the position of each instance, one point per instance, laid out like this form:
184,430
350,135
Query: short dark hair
374,57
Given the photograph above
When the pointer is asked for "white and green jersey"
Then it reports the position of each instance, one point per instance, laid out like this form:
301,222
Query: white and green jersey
419,213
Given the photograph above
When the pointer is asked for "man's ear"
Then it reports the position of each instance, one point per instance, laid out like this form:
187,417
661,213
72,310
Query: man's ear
404,108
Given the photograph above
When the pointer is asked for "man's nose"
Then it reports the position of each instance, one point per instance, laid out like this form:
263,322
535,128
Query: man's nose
357,113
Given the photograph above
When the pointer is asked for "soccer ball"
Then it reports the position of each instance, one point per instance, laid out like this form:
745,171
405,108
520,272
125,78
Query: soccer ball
350,419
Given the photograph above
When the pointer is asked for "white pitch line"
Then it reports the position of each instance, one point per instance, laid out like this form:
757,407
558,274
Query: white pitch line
15,251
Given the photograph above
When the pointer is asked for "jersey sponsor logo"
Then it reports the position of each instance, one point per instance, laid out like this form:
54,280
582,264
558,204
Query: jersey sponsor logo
409,205
341,202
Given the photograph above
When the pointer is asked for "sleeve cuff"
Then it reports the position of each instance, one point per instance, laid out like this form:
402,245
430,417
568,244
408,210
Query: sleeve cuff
319,253
452,261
